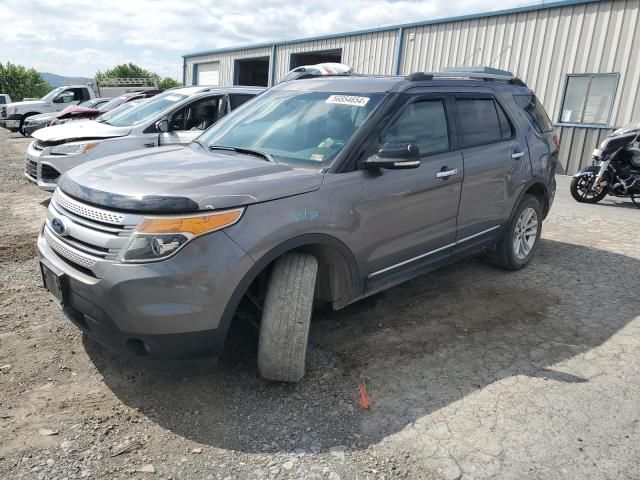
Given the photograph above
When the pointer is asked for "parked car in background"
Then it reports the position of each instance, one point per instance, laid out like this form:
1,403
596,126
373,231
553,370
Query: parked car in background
13,115
84,111
174,117
4,99
36,122
324,190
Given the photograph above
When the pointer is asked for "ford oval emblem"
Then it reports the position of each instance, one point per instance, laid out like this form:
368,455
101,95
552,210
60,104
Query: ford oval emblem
60,226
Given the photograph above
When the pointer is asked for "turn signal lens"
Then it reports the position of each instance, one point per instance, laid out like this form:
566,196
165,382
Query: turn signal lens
157,238
196,225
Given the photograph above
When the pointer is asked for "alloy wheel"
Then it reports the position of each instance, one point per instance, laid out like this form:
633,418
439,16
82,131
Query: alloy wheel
525,233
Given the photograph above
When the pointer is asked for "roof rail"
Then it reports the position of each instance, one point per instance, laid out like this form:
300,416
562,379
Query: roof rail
487,77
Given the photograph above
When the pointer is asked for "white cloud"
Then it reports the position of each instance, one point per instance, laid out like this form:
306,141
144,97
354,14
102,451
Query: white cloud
79,37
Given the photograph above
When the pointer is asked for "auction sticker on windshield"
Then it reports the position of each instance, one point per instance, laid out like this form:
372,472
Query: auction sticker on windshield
348,100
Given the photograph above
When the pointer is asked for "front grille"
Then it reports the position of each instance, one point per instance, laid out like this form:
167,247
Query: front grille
49,173
74,256
31,169
95,235
83,210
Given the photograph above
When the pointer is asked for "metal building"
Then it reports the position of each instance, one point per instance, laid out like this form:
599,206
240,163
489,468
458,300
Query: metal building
580,56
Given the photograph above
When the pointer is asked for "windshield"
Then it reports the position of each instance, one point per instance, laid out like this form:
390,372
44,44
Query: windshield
52,94
116,111
111,104
297,128
145,111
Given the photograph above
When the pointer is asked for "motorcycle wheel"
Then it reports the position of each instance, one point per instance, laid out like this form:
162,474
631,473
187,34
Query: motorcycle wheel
582,191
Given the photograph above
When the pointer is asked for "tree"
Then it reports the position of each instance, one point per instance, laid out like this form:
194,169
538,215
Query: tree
127,70
167,83
20,82
131,70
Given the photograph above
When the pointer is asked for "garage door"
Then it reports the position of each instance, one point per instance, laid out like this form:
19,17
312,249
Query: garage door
209,73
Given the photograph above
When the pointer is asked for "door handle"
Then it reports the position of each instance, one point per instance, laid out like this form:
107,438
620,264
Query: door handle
446,173
517,155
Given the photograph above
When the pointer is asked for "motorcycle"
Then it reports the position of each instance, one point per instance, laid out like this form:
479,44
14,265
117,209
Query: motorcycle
615,170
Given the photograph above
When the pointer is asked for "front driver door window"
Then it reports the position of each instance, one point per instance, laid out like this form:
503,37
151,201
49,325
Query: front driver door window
192,119
410,215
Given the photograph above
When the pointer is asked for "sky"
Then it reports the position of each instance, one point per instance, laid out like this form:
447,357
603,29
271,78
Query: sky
80,37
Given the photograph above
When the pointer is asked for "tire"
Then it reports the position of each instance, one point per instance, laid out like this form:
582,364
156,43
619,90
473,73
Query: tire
284,329
511,254
578,186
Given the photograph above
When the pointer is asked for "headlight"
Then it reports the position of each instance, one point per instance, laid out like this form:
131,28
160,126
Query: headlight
73,148
157,238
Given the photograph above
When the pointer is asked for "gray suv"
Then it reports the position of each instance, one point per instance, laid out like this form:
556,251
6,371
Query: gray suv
319,190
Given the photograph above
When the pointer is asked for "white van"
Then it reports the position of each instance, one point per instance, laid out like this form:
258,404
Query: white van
174,117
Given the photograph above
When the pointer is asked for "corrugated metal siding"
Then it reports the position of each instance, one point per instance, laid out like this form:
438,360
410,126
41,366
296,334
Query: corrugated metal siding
371,53
540,46
226,60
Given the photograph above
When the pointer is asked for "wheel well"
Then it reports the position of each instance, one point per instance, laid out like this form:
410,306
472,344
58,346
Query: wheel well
538,191
335,282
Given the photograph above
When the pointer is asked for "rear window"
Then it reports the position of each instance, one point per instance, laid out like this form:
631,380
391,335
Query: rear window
535,112
482,121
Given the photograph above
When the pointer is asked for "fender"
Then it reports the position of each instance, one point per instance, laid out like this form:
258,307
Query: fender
588,171
291,244
535,180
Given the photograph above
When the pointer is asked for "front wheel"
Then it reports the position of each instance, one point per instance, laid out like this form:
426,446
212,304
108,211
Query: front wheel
284,329
583,190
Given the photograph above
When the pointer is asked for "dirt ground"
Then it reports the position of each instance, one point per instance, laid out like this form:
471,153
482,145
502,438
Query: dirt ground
472,372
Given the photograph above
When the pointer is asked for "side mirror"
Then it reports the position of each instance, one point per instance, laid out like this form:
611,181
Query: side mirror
162,126
395,156
58,100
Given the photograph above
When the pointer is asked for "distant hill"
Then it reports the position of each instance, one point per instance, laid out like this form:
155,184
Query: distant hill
58,80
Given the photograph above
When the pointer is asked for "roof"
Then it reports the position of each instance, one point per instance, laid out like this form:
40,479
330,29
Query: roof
216,89
509,11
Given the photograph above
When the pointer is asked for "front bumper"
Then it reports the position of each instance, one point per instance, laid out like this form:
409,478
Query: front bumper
43,169
173,309
10,124
29,128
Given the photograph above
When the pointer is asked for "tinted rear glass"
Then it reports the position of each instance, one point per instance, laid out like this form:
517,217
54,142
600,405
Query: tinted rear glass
535,112
479,121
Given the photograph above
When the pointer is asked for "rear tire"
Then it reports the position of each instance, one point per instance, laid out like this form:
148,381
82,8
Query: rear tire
284,330
581,190
520,237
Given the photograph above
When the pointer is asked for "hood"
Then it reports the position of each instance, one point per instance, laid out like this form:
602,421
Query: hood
24,106
41,117
182,179
74,110
68,132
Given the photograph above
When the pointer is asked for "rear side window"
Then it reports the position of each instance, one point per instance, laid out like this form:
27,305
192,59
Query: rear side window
482,121
423,123
535,112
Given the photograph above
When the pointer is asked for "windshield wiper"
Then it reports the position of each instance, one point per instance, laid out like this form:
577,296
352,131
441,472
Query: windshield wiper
247,151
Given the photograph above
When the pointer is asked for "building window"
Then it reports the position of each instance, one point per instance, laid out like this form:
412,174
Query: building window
588,98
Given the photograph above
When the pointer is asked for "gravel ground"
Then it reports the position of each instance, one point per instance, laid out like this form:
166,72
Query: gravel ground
472,372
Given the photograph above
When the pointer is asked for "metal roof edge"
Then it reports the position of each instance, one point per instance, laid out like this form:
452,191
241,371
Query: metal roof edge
459,18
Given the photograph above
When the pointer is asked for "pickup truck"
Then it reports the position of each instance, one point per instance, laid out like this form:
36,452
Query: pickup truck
13,115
